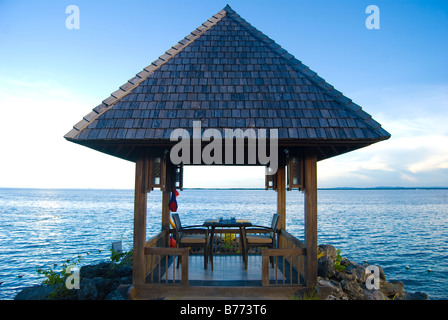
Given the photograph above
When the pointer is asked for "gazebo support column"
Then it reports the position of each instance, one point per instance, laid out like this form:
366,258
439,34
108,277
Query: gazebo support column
166,214
140,198
281,197
311,218
167,188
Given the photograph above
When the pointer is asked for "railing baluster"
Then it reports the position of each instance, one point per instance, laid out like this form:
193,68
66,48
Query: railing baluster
152,267
275,259
166,269
159,269
290,270
299,259
174,269
284,275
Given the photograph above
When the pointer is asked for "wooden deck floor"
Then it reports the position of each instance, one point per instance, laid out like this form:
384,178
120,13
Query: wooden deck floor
228,280
228,270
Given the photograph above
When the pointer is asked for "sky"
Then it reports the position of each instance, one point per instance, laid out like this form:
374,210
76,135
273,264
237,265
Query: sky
51,76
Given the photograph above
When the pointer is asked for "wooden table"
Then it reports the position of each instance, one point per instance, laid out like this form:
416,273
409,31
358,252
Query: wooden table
228,223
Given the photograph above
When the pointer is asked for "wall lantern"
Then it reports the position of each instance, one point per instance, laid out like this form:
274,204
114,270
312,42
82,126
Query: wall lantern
179,177
163,174
295,177
156,172
270,179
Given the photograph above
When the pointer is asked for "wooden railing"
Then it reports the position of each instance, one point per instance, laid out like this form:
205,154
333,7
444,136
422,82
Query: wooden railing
159,240
288,262
288,241
283,266
159,258
283,262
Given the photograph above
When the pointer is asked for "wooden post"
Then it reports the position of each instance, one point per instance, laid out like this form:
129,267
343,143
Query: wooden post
264,269
185,281
166,214
311,218
167,188
281,197
140,197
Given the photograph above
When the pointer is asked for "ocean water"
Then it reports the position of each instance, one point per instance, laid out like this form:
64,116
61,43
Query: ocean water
395,229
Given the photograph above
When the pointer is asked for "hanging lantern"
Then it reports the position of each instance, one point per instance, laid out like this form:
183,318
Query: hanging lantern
295,172
156,173
178,177
270,179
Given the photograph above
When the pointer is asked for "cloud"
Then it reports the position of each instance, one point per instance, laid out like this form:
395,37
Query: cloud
409,162
417,153
435,162
36,115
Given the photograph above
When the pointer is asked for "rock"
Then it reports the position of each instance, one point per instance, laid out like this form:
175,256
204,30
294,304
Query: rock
330,288
87,290
420,296
359,272
115,295
329,251
325,267
353,290
97,282
334,285
126,271
413,296
345,262
382,274
118,271
374,294
391,288
40,292
349,283
93,271
104,286
325,264
342,275
126,280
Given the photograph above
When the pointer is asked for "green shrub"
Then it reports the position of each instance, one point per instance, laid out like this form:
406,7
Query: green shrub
57,279
337,263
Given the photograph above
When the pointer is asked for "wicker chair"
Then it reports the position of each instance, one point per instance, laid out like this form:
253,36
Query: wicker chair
191,236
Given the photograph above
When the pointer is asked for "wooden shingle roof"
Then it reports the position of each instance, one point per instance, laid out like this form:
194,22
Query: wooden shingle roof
227,74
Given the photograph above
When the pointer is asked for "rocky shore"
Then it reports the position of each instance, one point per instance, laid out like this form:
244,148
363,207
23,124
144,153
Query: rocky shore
338,279
103,281
342,279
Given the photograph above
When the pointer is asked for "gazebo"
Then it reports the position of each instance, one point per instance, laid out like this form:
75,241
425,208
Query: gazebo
225,75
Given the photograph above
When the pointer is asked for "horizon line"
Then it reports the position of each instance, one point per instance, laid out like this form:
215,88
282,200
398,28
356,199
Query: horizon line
241,188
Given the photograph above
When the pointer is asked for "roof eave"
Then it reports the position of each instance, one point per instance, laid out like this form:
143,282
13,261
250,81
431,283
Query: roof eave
130,149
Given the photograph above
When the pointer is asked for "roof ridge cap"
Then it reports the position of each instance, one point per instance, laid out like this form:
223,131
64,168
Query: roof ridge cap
228,9
134,82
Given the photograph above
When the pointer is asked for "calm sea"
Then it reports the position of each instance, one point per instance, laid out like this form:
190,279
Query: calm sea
395,229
